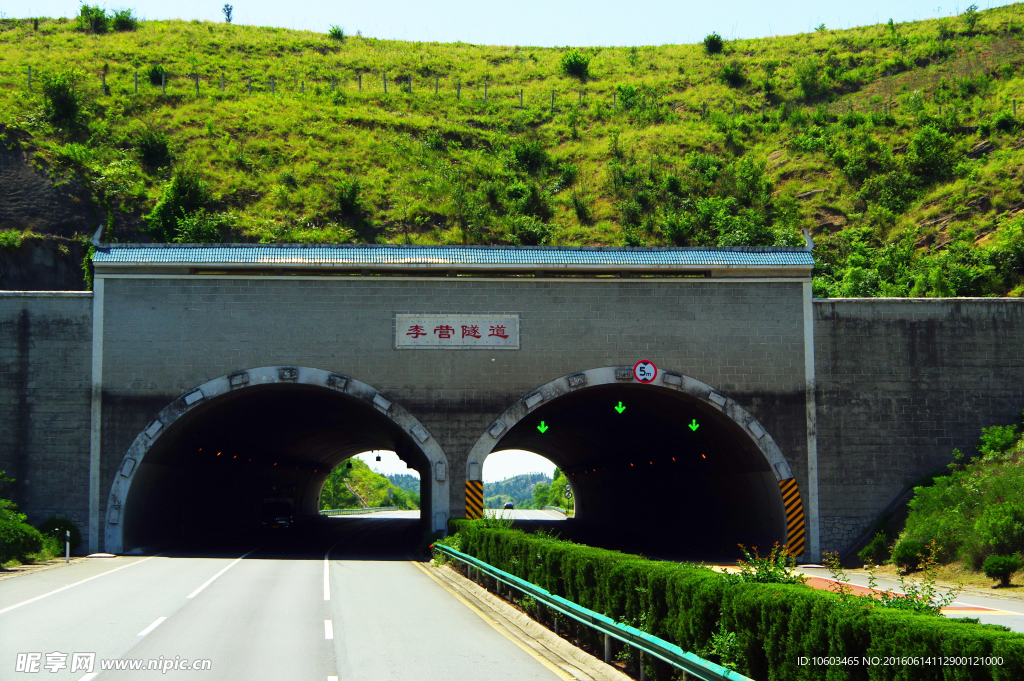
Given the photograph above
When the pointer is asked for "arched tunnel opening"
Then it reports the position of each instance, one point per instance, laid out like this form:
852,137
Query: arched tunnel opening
656,471
265,451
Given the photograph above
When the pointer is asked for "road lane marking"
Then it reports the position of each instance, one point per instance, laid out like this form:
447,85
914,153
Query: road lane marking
90,676
50,593
151,627
548,664
332,678
327,578
211,579
329,630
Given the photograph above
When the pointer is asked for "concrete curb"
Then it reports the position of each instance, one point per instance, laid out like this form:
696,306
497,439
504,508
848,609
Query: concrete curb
576,662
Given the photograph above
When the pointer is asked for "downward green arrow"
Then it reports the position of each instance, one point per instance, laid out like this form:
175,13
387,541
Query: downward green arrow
620,408
542,428
694,426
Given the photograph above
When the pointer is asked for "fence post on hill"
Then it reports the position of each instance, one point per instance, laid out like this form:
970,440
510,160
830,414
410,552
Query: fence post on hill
30,77
385,83
163,82
222,82
103,81
458,91
250,84
580,100
360,82
302,87
437,84
520,98
552,99
136,82
613,99
485,93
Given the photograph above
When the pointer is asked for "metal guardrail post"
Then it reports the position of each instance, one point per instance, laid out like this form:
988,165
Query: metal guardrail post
607,649
643,642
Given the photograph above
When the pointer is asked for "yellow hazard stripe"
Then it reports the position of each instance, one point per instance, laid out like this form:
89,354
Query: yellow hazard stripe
795,525
474,499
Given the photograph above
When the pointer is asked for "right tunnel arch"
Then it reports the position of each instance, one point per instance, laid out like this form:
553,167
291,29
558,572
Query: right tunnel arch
680,461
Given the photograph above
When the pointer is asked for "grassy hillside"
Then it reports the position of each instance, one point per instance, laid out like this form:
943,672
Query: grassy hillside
518,489
895,144
350,487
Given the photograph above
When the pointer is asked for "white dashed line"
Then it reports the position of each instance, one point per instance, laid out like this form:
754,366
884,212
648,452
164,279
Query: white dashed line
151,627
329,629
211,579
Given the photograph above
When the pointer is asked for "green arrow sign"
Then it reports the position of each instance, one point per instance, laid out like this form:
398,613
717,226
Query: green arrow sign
620,408
542,428
694,426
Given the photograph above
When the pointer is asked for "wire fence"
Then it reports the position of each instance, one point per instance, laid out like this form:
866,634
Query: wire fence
424,89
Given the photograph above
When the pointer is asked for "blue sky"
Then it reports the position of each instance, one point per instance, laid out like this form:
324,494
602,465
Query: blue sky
531,22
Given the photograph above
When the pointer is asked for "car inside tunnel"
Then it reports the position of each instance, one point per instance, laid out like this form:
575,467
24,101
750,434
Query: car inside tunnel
656,471
250,456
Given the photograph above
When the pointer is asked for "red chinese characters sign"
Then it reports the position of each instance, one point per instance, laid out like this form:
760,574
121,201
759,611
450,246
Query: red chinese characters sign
462,332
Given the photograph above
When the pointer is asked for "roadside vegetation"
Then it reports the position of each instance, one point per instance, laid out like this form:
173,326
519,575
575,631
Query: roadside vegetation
759,621
968,522
353,484
22,543
896,144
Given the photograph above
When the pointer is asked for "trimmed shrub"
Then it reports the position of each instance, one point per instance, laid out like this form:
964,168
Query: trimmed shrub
157,74
56,526
773,624
907,553
61,104
1002,568
336,33
713,44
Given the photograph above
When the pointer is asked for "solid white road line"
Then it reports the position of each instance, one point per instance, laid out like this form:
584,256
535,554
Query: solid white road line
50,593
211,579
329,630
151,627
332,678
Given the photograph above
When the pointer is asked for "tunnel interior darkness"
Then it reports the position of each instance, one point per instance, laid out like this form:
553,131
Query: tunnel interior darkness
224,464
647,480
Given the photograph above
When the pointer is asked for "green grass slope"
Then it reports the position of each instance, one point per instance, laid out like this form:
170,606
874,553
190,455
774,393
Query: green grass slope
896,144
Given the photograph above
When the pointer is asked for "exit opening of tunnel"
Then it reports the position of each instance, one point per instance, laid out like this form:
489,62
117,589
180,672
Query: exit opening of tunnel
655,470
246,459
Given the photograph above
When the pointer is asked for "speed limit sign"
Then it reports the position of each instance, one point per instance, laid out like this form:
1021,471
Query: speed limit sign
644,371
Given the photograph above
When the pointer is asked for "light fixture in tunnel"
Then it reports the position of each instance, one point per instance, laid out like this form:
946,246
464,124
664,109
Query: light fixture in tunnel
348,465
378,457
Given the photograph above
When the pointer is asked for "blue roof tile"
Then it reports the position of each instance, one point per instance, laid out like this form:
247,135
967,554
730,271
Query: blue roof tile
445,256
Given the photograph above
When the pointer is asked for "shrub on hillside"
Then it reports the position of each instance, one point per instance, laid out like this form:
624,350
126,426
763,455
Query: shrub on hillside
93,19
526,230
157,74
732,74
1002,568
529,156
124,20
57,526
713,43
61,103
876,551
347,201
185,194
808,77
152,148
336,33
908,553
200,227
575,64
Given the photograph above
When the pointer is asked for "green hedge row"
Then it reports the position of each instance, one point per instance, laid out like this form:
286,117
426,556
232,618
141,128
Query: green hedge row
775,624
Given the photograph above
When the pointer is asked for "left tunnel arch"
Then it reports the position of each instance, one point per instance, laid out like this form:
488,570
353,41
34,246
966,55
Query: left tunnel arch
279,431
698,491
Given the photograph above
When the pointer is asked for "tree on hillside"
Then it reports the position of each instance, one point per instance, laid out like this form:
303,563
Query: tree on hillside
345,487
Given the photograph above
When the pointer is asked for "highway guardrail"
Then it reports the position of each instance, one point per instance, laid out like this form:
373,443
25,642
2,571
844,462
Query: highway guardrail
358,511
556,508
651,645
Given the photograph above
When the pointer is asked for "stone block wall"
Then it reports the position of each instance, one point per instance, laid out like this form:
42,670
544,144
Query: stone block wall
45,373
901,383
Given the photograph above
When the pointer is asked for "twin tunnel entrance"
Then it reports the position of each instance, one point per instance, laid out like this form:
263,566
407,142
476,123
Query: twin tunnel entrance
672,469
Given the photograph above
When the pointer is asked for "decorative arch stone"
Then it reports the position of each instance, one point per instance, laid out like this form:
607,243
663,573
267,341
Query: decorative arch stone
244,380
666,380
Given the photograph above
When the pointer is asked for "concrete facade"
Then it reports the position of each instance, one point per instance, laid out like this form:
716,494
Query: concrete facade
900,383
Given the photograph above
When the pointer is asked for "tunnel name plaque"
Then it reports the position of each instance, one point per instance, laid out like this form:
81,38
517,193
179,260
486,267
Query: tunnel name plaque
456,332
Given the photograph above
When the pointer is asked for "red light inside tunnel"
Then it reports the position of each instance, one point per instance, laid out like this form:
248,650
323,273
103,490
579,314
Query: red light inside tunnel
673,458
235,456
276,463
218,453
703,457
651,462
630,465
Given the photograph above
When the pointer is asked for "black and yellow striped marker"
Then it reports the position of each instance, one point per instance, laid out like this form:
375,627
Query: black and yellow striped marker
474,499
794,516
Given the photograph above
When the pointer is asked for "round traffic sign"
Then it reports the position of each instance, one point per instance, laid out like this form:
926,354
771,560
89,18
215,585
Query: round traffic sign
568,494
644,371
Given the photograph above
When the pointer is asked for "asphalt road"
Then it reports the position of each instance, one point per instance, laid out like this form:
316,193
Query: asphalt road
281,612
988,609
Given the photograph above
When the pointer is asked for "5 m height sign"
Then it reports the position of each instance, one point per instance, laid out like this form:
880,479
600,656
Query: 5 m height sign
644,371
